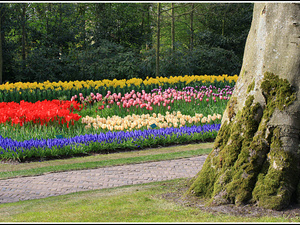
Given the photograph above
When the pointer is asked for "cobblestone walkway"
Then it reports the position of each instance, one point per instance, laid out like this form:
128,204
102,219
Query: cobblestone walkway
53,184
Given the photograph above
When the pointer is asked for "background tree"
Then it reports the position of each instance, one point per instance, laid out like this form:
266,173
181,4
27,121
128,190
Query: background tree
256,157
158,40
1,55
69,41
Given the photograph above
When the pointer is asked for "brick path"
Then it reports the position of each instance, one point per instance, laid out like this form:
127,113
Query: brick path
53,184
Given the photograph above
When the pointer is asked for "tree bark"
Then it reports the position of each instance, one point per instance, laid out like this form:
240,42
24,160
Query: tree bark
24,6
256,156
173,28
192,28
157,40
1,54
82,9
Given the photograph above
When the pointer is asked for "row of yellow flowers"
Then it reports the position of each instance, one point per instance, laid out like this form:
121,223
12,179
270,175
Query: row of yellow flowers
77,85
130,122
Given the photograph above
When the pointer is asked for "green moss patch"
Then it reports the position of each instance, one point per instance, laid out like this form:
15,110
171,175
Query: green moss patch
277,92
277,183
240,169
251,86
230,107
278,179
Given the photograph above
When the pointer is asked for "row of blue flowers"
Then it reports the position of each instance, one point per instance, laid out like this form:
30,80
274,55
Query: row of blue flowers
85,144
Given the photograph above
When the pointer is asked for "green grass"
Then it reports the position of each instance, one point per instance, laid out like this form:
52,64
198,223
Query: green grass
132,203
167,153
135,203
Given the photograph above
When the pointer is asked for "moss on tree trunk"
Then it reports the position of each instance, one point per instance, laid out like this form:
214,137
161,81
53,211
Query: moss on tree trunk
248,162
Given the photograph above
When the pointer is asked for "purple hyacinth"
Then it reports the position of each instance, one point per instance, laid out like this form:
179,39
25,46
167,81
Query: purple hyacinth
9,145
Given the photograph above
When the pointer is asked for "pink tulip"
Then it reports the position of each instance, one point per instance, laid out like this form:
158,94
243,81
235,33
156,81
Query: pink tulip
142,105
207,99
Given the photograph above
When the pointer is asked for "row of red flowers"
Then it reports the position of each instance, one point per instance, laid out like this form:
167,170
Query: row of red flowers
40,112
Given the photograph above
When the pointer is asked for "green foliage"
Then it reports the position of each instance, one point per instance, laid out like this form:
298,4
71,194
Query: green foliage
117,40
226,25
108,61
201,60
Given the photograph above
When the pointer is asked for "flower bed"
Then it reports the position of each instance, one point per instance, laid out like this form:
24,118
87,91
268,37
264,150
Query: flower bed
39,113
111,120
34,91
145,121
88,143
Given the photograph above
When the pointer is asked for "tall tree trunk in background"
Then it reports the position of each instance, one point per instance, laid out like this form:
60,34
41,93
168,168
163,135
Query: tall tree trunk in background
1,52
192,28
99,14
149,36
146,25
24,6
255,158
158,40
82,12
173,28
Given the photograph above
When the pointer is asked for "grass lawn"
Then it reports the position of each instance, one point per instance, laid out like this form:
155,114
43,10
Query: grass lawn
137,203
134,203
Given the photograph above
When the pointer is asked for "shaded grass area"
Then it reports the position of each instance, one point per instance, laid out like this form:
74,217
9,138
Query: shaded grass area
134,203
100,160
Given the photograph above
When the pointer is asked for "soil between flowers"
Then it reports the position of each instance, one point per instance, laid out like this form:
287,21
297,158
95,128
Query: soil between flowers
177,196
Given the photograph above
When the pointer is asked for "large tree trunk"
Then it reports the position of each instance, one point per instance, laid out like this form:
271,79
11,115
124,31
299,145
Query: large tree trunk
255,158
